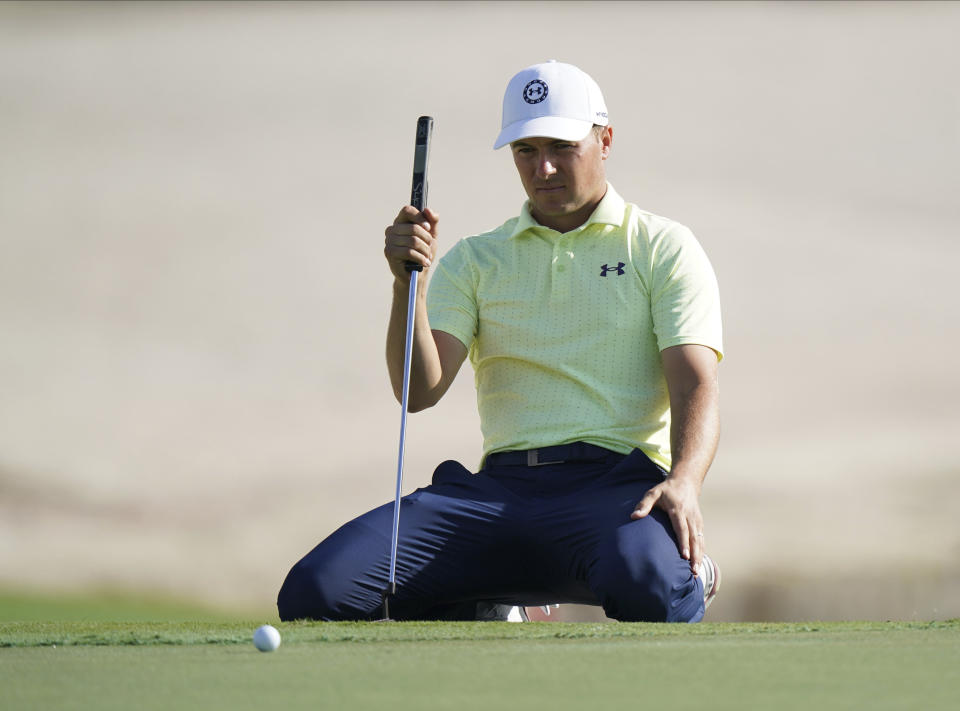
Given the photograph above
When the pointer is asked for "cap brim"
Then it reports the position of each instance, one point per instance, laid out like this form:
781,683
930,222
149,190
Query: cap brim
563,129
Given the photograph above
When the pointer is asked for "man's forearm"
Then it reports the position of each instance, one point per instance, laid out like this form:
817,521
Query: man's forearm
694,431
425,366
691,374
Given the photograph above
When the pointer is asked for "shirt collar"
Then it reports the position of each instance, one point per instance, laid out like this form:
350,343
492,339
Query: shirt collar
609,212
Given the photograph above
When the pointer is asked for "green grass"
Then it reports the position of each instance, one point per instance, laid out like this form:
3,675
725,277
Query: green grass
22,606
52,658
213,665
143,634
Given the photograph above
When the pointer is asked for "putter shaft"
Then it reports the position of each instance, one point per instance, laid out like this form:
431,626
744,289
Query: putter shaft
418,199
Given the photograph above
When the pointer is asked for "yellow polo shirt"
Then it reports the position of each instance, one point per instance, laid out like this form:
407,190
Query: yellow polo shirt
564,331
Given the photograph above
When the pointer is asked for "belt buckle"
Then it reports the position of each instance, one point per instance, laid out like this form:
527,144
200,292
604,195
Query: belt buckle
533,459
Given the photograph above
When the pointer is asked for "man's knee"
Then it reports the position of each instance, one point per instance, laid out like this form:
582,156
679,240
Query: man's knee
646,583
304,596
333,581
630,597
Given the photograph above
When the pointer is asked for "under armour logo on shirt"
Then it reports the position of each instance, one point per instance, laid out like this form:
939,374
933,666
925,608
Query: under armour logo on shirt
619,269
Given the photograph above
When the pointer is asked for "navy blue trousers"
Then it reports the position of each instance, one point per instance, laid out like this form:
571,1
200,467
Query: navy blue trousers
556,533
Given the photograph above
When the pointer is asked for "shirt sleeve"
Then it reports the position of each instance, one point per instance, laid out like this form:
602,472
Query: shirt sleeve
451,296
684,298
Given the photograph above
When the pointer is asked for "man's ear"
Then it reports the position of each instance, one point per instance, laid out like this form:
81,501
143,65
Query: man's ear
606,141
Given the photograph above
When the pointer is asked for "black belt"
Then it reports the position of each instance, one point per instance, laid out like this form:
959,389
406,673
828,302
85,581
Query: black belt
573,452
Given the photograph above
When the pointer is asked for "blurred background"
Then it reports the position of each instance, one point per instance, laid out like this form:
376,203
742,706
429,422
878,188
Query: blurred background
193,298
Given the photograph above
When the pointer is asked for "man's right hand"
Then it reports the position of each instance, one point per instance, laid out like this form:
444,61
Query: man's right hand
437,356
411,238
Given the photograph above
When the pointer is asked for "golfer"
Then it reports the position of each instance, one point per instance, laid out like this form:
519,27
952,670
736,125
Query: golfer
593,328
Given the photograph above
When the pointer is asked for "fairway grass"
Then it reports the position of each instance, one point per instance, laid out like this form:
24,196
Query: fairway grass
481,665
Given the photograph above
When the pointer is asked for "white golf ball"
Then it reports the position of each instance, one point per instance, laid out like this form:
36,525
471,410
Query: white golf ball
266,638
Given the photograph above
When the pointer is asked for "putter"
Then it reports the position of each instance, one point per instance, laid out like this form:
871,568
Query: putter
418,198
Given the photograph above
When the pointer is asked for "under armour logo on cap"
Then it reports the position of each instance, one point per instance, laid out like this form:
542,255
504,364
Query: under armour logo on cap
535,91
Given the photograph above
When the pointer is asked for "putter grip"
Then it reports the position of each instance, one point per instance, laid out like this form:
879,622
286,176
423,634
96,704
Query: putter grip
421,156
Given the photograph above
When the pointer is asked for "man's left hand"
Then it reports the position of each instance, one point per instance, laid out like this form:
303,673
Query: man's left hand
681,501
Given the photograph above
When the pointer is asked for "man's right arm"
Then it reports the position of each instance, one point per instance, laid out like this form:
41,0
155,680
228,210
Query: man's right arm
437,356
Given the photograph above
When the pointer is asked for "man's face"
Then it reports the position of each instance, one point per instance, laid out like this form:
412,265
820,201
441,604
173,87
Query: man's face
563,179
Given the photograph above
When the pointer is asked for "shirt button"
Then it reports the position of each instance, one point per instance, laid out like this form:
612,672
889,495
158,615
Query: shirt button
561,268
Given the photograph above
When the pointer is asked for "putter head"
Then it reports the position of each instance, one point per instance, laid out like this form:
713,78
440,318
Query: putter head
391,589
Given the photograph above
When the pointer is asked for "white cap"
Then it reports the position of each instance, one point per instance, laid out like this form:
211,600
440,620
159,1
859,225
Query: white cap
553,100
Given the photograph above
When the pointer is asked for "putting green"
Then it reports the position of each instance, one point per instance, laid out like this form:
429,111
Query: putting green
481,666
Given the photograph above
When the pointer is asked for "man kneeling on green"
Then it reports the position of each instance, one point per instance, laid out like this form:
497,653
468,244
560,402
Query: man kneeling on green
594,331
